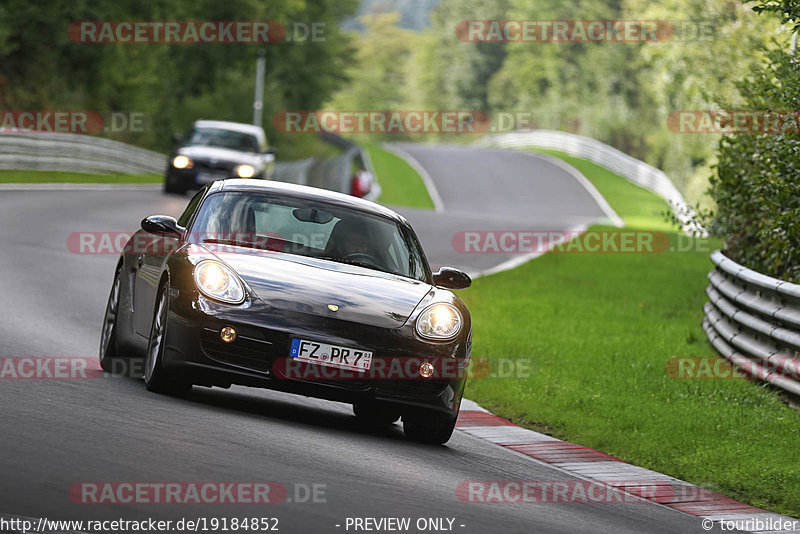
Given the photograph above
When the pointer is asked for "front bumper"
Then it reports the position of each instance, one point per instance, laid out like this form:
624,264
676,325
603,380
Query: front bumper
194,178
194,347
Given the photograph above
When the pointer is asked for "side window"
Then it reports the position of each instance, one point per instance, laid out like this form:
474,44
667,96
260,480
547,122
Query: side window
189,211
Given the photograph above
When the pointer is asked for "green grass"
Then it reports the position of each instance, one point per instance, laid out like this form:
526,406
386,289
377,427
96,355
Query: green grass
598,330
400,184
31,177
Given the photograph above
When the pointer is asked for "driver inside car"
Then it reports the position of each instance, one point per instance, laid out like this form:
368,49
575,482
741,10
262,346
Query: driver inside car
355,244
348,238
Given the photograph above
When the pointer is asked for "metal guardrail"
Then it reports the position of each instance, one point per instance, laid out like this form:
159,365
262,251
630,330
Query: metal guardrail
334,174
75,153
754,322
293,172
636,171
67,152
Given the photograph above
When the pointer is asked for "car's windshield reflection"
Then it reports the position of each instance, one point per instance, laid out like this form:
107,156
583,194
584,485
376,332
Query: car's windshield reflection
317,230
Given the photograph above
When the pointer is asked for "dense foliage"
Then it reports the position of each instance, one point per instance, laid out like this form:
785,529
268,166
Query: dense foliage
757,184
172,84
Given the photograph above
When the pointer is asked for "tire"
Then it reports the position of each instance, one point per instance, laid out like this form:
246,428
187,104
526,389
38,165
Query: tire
431,430
156,378
110,359
373,415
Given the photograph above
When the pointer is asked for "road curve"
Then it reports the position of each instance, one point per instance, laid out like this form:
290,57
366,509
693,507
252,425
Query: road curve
56,433
495,190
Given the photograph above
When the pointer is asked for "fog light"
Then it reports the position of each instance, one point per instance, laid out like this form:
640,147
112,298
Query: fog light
228,334
426,370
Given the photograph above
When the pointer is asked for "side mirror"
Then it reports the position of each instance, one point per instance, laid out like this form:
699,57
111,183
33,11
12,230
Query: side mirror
162,224
450,278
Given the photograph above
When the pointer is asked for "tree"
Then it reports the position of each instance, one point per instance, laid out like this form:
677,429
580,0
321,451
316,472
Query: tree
173,84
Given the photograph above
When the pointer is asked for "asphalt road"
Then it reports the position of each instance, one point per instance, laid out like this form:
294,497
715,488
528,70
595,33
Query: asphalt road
495,191
56,433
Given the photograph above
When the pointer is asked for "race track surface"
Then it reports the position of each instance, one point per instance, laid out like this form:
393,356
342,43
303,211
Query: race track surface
56,433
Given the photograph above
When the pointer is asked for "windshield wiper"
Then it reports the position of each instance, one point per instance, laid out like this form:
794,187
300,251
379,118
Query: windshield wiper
356,263
234,242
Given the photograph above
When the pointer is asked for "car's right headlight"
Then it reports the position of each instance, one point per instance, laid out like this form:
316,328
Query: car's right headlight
182,162
439,321
217,281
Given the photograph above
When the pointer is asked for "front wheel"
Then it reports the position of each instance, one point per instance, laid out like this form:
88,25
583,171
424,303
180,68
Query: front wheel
110,360
431,429
156,378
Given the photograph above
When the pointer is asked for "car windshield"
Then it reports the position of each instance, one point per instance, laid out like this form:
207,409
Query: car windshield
219,137
279,223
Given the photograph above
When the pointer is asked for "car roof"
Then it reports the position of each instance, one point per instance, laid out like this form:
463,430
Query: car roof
306,192
251,129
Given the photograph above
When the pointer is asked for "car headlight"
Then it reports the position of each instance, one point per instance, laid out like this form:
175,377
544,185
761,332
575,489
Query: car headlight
182,162
439,321
245,171
217,281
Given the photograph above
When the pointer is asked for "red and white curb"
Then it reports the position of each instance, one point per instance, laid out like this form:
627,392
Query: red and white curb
597,466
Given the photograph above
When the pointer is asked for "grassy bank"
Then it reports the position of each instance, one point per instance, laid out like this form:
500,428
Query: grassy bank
57,177
400,183
638,207
599,330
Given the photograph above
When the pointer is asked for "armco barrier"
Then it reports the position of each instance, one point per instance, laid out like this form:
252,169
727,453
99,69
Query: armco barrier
43,151
337,173
754,321
67,152
638,172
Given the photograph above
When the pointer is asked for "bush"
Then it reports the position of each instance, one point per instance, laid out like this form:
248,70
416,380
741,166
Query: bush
757,181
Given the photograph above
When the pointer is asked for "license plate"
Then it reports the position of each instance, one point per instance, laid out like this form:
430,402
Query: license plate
331,355
206,177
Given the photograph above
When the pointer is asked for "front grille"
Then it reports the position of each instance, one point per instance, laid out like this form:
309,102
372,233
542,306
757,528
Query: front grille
219,167
412,388
316,374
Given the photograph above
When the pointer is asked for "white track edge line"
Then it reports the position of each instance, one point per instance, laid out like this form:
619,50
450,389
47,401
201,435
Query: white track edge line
438,204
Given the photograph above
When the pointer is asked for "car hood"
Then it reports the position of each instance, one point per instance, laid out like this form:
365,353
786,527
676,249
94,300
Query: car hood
222,155
307,285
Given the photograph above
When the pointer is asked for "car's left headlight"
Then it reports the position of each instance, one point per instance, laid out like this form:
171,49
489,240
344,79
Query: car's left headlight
439,321
245,171
217,281
182,162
